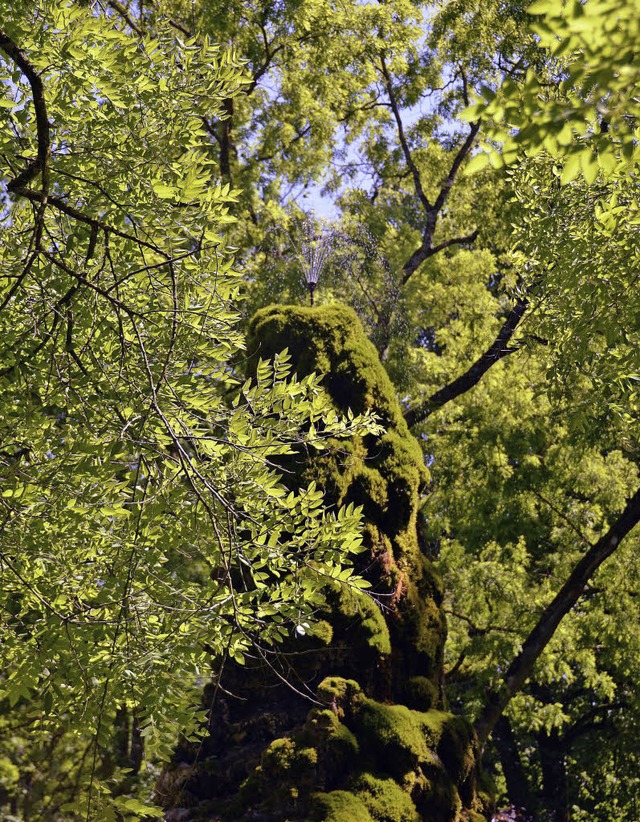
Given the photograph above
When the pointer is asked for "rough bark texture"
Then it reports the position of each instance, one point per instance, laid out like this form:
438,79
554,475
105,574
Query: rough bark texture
514,773
554,796
376,746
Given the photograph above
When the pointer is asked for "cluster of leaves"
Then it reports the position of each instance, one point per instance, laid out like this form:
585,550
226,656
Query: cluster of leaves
141,502
145,531
584,110
582,242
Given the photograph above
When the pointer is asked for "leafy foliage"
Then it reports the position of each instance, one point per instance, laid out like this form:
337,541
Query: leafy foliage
145,530
128,438
588,115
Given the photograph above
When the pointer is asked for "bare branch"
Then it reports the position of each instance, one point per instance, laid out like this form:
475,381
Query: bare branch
40,164
269,54
71,211
417,182
123,12
427,250
462,152
300,135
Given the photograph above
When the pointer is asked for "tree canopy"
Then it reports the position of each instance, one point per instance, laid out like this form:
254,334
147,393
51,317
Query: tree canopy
481,162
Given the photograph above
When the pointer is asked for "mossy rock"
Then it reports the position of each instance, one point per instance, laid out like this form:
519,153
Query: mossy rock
356,607
386,475
393,737
420,693
375,749
337,747
331,341
340,694
457,748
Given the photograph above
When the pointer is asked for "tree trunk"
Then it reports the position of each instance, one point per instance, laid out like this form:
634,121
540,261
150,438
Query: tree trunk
518,789
554,777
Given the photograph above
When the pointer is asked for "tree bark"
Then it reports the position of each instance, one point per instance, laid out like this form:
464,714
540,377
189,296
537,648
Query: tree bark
517,786
554,777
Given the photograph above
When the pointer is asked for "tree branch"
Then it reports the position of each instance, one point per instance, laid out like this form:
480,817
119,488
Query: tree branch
464,149
498,349
522,666
426,248
71,211
269,54
123,12
417,182
40,164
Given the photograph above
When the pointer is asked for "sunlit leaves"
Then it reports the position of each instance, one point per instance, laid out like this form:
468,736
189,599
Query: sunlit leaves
585,110
147,534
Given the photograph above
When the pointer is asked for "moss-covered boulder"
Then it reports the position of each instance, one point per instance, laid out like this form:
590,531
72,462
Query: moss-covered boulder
376,747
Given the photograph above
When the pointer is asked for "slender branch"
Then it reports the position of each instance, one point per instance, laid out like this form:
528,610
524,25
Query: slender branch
20,279
498,349
462,152
426,248
476,630
466,240
71,211
589,721
123,12
130,312
522,666
417,181
300,135
179,27
269,54
40,164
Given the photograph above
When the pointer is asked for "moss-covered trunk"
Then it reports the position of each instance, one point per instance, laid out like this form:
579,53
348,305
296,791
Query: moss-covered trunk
374,743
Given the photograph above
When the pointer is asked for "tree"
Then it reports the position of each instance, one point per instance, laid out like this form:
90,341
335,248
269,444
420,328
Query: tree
577,240
146,533
591,265
443,324
363,98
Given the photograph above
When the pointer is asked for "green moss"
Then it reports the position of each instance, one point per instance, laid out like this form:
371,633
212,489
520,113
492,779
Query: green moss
331,341
385,800
358,608
392,736
485,800
340,694
361,759
322,631
458,748
420,693
339,806
337,744
283,755
385,475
